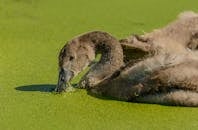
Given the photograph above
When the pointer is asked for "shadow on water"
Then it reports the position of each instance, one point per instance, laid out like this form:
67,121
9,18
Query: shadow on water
50,88
37,87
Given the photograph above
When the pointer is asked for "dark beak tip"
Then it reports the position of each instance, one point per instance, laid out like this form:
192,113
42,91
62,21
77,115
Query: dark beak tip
60,89
65,76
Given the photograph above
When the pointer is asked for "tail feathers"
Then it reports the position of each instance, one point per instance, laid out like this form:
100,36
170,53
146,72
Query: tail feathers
187,14
175,97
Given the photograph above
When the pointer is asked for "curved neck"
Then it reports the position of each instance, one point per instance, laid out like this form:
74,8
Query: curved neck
111,59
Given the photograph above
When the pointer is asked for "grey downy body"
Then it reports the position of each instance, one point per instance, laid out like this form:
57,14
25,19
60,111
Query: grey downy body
166,74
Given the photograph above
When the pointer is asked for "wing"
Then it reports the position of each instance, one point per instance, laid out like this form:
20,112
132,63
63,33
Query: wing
183,76
135,47
135,82
137,42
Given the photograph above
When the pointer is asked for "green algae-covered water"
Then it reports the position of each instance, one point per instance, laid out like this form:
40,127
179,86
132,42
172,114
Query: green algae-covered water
31,34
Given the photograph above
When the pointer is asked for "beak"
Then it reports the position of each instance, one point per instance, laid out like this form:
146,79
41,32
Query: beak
65,76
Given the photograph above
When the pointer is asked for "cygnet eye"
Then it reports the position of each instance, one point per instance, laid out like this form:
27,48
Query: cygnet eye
71,58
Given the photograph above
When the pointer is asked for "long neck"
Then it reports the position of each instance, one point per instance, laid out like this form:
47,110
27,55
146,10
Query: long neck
111,59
